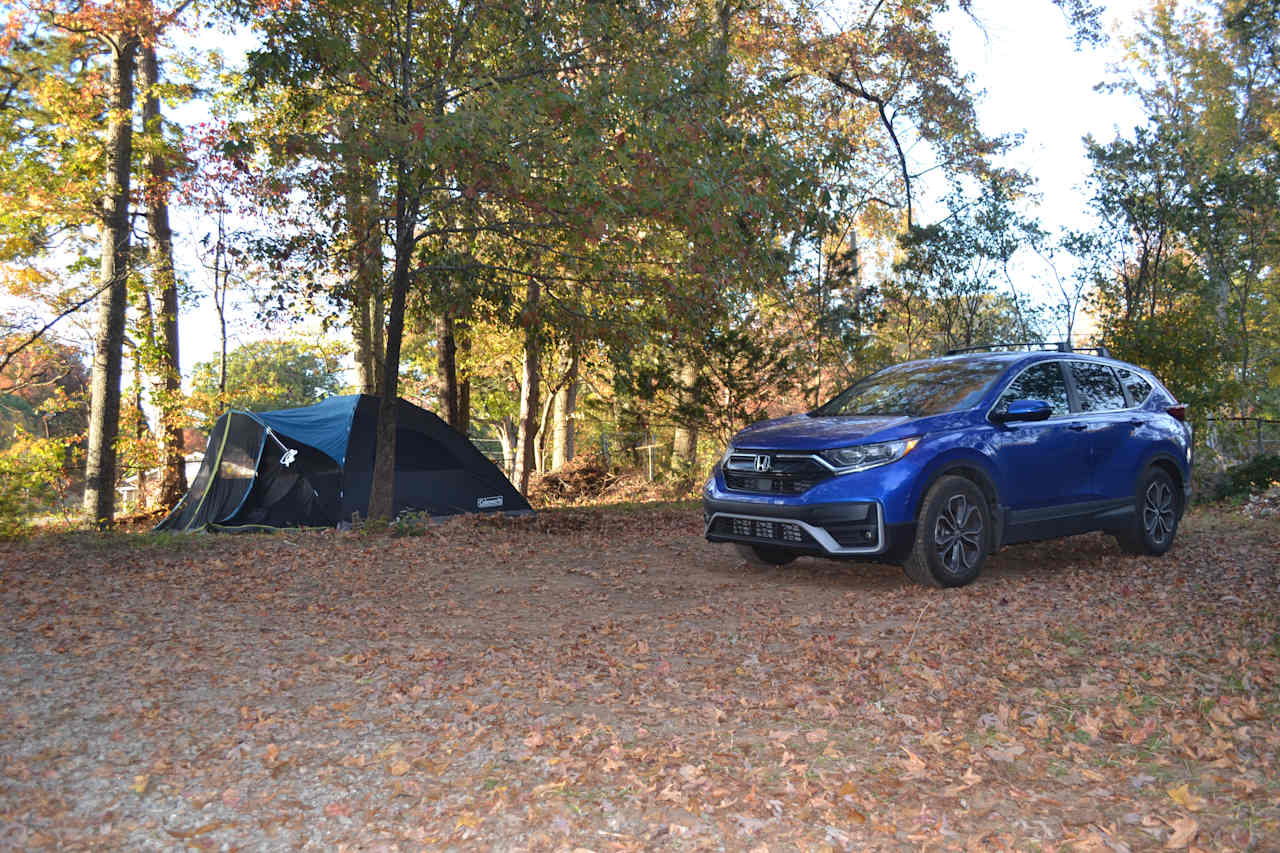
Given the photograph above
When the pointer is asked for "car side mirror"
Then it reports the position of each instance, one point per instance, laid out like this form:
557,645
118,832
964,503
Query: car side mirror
1023,410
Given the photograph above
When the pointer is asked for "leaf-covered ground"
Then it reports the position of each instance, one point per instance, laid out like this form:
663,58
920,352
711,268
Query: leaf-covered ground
605,680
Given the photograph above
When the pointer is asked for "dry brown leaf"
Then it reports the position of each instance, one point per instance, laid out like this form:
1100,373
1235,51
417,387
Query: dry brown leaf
1184,832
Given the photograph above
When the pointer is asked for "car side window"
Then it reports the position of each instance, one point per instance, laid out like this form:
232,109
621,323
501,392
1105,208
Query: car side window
1097,388
1042,381
1139,388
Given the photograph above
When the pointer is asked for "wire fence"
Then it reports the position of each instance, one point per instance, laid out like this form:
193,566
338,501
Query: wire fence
1239,439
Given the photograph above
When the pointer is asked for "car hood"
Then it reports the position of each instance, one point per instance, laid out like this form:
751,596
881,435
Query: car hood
801,432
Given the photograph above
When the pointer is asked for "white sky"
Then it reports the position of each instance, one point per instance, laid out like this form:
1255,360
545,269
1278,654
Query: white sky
1038,83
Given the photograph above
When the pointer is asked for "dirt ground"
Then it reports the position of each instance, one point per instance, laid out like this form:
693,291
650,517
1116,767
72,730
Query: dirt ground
606,680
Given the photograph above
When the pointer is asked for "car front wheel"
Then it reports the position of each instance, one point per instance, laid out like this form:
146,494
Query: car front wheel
953,534
1157,512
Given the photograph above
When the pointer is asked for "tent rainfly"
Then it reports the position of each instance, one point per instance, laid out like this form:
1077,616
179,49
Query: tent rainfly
313,467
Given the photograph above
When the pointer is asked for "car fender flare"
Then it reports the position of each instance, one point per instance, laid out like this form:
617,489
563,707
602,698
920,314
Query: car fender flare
1162,457
972,465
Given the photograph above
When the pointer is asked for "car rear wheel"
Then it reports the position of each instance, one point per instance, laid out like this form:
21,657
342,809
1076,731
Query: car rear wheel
1157,512
953,534
764,555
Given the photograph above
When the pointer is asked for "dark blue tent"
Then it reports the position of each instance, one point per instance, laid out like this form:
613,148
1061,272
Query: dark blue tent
313,467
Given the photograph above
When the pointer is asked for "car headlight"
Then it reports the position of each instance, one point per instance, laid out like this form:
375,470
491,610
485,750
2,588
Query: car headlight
863,456
724,460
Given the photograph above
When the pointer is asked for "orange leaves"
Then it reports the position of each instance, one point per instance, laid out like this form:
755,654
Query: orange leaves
1183,797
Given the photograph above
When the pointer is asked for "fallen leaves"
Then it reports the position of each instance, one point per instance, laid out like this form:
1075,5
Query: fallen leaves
1183,833
1183,797
612,683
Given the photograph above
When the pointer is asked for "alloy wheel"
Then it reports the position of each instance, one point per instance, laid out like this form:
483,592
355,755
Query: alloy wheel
957,534
1158,511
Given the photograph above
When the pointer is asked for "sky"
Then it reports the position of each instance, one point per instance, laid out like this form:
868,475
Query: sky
1038,83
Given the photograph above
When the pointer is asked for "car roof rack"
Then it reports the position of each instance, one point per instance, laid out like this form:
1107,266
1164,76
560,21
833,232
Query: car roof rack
1051,346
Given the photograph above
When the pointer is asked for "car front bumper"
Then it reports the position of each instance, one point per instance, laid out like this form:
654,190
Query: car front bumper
842,530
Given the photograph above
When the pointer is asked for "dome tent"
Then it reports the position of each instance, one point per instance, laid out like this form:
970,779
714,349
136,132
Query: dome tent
313,467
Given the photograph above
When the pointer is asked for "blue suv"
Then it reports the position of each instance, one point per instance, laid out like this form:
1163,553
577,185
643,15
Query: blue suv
937,463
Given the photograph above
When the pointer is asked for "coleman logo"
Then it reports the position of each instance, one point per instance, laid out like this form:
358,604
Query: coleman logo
763,463
488,503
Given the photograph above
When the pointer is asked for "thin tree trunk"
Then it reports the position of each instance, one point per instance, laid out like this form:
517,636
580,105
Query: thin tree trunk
464,384
166,380
447,366
104,388
139,434
507,438
544,429
407,204
562,418
221,278
684,446
382,492
530,379
365,263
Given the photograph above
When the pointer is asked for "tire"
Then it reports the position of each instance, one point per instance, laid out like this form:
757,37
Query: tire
1157,511
764,555
953,534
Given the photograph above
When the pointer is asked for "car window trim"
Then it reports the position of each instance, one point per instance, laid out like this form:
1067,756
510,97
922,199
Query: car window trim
1074,392
1065,379
1134,402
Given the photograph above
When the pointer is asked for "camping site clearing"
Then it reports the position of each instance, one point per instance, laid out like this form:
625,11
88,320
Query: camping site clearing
606,680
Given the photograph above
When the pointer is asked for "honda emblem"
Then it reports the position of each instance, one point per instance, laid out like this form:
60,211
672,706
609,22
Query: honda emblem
762,464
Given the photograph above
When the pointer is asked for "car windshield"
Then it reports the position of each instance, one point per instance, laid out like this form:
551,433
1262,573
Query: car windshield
917,388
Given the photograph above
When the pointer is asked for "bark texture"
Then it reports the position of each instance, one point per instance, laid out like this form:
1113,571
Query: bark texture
684,446
562,428
104,384
165,366
530,379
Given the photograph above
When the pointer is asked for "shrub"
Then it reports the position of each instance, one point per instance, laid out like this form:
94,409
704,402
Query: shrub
32,479
1253,477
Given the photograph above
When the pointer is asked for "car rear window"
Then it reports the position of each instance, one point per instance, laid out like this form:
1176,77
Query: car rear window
1097,388
1043,381
917,388
1139,388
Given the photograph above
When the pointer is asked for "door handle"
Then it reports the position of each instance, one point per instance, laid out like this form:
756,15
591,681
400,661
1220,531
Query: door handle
1136,422
1078,427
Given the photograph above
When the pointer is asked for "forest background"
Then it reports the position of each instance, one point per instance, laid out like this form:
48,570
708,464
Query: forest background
577,227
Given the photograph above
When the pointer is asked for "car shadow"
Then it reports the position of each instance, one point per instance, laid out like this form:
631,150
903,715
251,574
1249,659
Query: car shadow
1024,561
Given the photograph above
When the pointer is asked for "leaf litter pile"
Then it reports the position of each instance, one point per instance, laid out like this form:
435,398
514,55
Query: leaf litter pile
605,680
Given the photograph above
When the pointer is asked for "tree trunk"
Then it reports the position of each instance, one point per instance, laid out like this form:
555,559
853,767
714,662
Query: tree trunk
382,492
447,366
104,387
684,447
166,379
562,418
530,379
464,388
506,429
365,260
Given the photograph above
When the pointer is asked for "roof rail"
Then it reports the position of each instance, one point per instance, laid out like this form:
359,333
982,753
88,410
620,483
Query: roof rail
1053,346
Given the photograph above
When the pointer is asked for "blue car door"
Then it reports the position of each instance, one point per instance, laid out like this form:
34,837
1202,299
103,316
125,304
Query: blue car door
1041,463
1110,427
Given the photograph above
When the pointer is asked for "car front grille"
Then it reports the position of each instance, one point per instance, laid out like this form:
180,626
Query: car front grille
850,534
781,475
758,528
